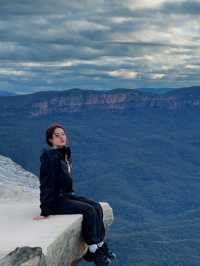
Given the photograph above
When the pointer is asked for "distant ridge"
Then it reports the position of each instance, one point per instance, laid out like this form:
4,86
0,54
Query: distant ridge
6,93
76,100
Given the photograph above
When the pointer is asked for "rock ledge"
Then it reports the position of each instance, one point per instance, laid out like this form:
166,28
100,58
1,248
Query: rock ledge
54,241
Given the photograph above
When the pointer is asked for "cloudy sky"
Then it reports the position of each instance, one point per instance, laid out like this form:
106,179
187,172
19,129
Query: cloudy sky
98,44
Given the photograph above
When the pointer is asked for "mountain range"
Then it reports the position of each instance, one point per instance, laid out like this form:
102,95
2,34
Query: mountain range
76,100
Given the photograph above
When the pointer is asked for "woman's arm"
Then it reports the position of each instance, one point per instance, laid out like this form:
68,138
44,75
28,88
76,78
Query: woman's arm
49,173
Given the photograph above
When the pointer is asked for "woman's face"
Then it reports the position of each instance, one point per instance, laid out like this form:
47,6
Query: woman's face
59,137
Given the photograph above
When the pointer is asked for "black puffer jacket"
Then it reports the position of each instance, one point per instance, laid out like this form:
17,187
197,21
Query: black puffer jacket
55,179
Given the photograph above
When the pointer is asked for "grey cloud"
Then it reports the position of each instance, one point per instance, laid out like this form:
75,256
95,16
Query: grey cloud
46,7
184,7
102,36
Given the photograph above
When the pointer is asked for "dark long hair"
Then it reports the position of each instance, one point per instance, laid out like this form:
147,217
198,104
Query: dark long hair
50,130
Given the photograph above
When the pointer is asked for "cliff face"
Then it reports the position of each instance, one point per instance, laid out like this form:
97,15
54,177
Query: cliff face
77,100
114,100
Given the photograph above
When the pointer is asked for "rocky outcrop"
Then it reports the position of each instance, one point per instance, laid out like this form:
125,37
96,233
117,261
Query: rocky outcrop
22,256
16,183
54,241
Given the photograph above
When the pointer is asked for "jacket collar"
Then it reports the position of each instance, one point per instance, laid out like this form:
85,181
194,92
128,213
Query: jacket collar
62,150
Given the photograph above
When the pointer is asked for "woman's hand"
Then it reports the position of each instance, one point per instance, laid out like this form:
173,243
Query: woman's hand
40,217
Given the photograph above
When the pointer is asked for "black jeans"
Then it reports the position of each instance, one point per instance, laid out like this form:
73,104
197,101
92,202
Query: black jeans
93,230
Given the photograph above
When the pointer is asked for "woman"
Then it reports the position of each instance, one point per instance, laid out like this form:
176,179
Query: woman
57,195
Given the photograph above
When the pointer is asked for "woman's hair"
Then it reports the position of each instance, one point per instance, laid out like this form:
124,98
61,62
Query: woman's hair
50,131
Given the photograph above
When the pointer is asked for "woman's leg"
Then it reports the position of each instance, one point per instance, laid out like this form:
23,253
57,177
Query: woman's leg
100,224
101,229
67,205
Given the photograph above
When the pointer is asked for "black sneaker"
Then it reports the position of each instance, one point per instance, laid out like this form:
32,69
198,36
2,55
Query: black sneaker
111,255
100,258
89,256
